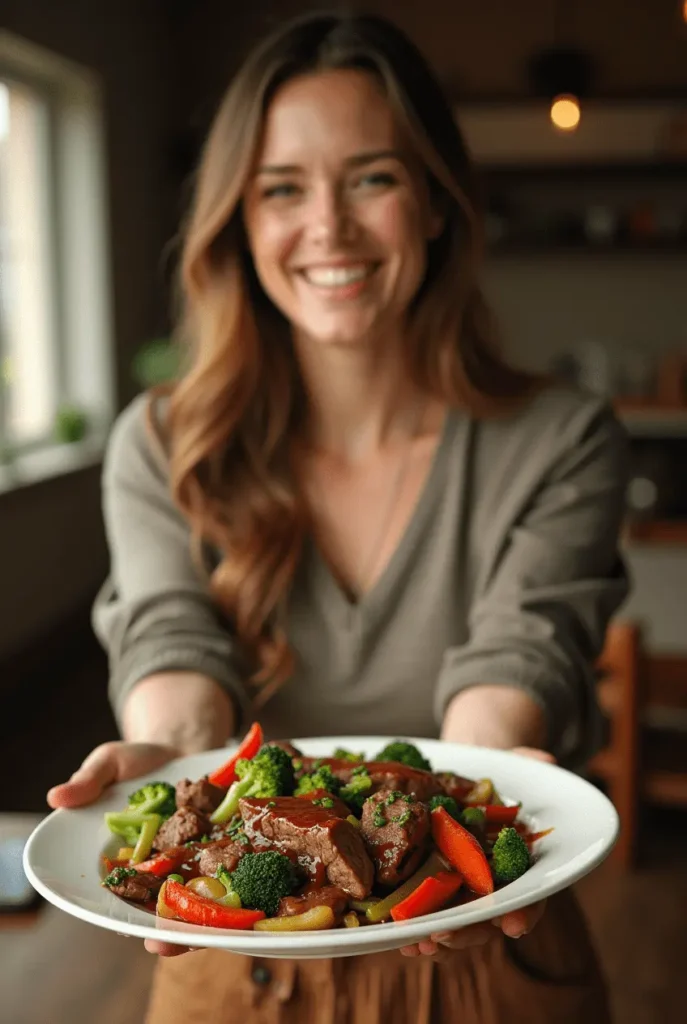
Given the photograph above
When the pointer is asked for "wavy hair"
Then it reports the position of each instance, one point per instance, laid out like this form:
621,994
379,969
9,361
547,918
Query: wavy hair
233,413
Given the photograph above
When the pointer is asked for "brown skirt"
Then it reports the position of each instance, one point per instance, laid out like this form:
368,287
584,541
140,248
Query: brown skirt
551,975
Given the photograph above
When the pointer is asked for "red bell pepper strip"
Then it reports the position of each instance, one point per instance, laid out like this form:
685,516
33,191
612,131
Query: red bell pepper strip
462,851
532,837
194,909
167,862
226,773
500,815
429,896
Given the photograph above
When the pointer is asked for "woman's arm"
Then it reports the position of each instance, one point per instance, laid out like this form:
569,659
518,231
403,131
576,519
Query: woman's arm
155,616
494,716
184,710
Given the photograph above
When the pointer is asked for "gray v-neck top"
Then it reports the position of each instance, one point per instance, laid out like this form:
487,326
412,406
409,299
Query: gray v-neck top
508,573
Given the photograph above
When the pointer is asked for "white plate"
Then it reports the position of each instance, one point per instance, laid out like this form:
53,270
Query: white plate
61,858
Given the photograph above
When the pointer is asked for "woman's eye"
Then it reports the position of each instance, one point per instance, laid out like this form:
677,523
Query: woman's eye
285,190
377,179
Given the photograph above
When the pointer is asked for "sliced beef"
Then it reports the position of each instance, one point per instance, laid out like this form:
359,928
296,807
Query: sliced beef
329,895
321,798
455,785
224,852
314,835
201,796
142,887
411,781
184,825
385,775
340,767
396,829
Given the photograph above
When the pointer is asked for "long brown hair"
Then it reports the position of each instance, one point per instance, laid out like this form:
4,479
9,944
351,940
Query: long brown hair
232,414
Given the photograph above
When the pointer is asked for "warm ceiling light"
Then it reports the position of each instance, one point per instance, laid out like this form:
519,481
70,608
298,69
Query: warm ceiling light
684,10
565,112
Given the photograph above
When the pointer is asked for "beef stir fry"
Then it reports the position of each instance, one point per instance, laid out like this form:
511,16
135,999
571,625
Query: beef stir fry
273,840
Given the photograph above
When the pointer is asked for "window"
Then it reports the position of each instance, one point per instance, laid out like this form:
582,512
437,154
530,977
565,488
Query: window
29,333
55,323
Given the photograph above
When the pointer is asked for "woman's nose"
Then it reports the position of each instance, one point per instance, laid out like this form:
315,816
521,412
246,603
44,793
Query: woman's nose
330,217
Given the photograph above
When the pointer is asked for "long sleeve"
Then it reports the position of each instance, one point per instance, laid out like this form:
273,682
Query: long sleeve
154,612
547,591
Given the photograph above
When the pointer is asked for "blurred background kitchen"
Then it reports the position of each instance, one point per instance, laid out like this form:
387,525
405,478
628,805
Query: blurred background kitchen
576,113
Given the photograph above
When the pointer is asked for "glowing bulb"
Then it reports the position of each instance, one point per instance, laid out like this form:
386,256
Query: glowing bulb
684,10
565,112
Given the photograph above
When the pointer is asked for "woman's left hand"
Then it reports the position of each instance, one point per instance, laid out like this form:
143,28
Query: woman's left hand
441,945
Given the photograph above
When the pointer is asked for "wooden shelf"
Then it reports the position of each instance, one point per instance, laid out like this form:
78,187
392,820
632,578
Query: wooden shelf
648,418
658,532
663,170
511,250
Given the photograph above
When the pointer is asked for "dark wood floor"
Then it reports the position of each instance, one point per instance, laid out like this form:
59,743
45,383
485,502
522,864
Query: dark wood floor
56,970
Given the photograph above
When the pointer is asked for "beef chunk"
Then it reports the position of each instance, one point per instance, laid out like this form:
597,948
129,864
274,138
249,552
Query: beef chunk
340,767
224,852
142,887
396,829
385,775
184,825
312,834
201,796
321,798
455,785
329,895
399,777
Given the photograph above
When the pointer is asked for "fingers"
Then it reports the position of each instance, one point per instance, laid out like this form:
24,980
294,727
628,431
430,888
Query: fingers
535,754
87,783
441,944
520,922
165,948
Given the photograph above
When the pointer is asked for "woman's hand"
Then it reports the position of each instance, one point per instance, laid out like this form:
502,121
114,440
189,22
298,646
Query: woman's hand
108,763
441,945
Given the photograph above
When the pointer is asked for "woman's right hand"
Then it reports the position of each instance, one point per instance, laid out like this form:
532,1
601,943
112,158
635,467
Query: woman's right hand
108,763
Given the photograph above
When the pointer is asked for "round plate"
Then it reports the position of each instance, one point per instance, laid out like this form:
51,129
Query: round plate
61,858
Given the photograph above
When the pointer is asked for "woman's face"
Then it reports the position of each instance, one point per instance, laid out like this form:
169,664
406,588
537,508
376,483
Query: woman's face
337,211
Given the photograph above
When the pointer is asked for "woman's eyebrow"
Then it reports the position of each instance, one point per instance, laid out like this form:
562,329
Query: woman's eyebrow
357,160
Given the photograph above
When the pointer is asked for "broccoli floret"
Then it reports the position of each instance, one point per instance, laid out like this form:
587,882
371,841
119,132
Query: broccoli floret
268,774
153,802
356,792
117,876
322,778
154,797
510,856
448,803
341,754
262,879
404,753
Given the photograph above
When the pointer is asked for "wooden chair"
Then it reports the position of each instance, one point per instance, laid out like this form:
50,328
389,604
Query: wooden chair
645,758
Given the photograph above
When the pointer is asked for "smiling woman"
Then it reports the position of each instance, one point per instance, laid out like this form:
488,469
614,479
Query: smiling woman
394,531
339,213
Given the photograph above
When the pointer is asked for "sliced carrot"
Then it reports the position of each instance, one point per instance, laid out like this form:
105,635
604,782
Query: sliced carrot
462,851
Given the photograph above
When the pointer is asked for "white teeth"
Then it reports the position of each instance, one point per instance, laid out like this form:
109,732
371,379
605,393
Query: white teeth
336,277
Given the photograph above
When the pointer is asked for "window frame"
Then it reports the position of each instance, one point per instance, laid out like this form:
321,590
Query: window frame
78,234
